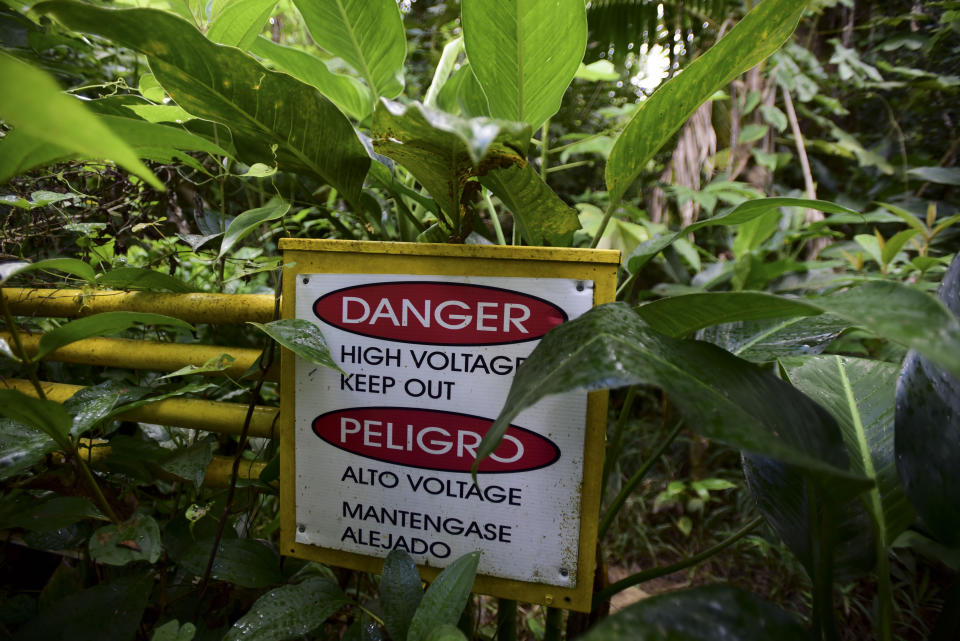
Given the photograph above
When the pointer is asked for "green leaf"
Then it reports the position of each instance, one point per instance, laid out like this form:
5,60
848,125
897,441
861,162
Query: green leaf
301,337
762,341
239,22
367,34
21,447
101,324
400,593
941,175
248,563
905,216
250,220
721,396
543,218
859,393
745,212
138,278
517,56
190,463
774,116
895,243
173,631
214,364
289,611
756,36
135,540
752,133
93,404
889,309
41,514
928,432
105,611
40,110
446,597
263,109
708,613
70,266
446,632
443,151
346,92
43,415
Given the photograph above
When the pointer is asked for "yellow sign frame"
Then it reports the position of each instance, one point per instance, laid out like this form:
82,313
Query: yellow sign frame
307,256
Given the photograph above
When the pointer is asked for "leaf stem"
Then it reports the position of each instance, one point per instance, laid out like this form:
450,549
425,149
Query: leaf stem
653,573
544,148
98,494
493,217
628,487
506,620
603,225
613,447
28,362
554,626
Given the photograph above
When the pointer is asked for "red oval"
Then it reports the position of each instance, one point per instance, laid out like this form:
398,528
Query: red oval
438,313
431,439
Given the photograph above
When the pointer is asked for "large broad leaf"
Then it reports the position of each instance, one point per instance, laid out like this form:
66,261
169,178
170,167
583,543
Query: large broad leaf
38,109
443,151
137,539
758,34
101,325
542,217
761,341
264,109
710,613
524,53
368,34
446,597
742,213
400,593
238,23
346,92
721,396
928,432
71,266
43,415
301,337
18,509
106,611
250,220
246,562
21,447
289,612
859,393
140,278
889,309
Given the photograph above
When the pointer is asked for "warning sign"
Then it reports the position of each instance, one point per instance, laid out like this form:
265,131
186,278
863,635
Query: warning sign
382,453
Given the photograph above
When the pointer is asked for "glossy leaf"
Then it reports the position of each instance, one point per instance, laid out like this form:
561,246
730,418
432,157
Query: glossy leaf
517,56
765,340
400,593
446,632
889,309
137,539
91,405
239,22
245,562
301,337
71,266
761,32
446,597
173,631
942,175
346,92
289,611
709,613
743,213
39,109
928,432
251,219
190,463
106,611
138,278
262,108
443,151
859,393
45,416
42,514
101,324
21,447
721,396
367,34
543,218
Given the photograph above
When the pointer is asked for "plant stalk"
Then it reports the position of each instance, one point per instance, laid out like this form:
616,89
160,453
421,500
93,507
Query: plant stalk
28,362
823,620
544,149
603,225
613,448
654,573
628,487
497,229
506,620
554,626
94,486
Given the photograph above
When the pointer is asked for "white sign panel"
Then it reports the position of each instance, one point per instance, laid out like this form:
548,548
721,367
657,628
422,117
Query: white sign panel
383,453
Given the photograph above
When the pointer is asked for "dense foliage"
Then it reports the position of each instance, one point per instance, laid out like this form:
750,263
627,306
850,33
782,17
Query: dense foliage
785,203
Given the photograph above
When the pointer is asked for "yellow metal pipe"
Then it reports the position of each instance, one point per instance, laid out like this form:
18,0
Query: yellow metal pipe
149,355
193,308
191,413
218,470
